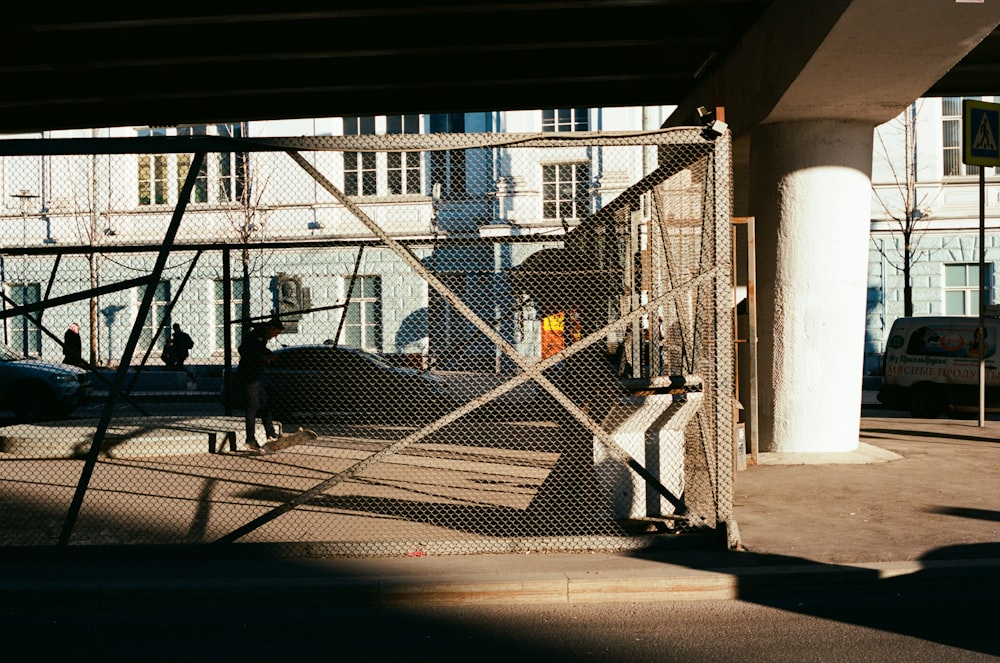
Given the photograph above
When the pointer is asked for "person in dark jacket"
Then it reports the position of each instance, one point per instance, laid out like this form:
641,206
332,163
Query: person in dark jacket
254,358
72,347
177,350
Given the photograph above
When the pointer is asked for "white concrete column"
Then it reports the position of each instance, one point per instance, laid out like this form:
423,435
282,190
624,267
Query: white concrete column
810,191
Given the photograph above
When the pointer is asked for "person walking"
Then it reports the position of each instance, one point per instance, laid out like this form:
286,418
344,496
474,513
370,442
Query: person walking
72,347
179,347
254,358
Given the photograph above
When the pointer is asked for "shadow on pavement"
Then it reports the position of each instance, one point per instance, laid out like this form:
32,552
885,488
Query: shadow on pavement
947,597
887,432
962,512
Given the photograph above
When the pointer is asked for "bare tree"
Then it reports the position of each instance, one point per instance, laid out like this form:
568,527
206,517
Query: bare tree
244,190
92,226
909,210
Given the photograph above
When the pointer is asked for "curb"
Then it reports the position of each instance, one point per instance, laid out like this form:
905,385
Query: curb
676,584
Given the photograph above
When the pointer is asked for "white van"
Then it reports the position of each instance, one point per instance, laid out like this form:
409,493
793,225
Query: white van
932,365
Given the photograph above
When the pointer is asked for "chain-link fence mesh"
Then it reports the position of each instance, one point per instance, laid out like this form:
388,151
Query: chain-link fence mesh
493,342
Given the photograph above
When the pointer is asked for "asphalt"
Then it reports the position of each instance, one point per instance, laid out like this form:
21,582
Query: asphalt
916,505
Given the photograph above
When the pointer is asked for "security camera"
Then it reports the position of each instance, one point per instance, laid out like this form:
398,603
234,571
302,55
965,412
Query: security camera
714,129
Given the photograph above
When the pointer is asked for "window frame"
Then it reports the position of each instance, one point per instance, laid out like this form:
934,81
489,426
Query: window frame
557,120
23,333
159,312
952,118
219,313
160,177
369,312
360,168
969,290
447,167
553,191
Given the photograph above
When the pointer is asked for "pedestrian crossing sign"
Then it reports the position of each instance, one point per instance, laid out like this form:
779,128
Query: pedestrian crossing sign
980,133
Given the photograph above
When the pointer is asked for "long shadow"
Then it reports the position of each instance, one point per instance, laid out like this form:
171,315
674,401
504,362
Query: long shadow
483,520
952,601
985,437
990,515
950,604
947,603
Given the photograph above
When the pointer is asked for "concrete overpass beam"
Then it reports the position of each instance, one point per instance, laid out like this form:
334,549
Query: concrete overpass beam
808,88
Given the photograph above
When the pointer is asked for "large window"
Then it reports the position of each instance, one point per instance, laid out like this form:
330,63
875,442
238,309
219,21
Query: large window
951,127
153,179
565,119
447,167
961,289
359,167
363,322
23,334
199,194
403,167
565,190
219,310
161,177
232,167
157,316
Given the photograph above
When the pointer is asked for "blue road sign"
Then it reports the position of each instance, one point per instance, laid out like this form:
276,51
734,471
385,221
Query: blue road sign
980,133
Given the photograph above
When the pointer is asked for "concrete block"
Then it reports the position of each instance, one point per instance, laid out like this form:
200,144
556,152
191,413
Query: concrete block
651,430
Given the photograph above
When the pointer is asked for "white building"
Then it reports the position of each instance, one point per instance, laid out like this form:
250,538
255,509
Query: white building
72,223
923,146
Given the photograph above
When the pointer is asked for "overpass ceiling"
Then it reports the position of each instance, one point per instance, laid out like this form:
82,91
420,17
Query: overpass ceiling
977,74
88,65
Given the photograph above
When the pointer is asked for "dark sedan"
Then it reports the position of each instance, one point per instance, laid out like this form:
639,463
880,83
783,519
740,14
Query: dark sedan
34,389
318,381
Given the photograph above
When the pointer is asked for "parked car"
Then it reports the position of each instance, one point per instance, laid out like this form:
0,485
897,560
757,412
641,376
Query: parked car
310,381
932,365
34,389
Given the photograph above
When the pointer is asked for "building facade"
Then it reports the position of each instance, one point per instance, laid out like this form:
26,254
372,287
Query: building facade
925,203
74,223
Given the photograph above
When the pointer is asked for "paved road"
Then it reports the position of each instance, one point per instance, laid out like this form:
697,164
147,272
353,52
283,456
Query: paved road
925,515
939,626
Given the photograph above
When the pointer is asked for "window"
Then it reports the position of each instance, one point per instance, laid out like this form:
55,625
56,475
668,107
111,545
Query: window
157,316
403,167
199,194
152,173
360,174
951,119
363,321
448,330
232,167
565,190
161,176
359,167
237,296
25,335
448,167
961,289
565,119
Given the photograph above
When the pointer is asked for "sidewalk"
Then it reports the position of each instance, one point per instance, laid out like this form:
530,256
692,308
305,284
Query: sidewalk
917,504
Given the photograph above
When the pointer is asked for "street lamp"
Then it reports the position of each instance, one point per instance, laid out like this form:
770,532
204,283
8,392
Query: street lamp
23,196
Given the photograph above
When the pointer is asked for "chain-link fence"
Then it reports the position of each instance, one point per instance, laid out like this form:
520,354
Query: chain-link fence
491,342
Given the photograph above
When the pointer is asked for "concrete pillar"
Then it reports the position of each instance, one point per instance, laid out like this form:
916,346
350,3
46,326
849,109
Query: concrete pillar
810,191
